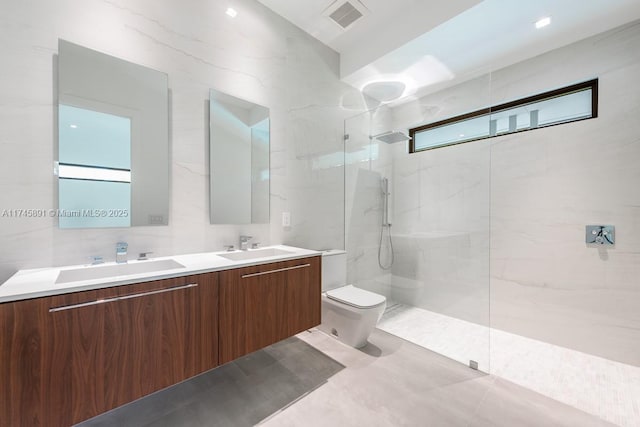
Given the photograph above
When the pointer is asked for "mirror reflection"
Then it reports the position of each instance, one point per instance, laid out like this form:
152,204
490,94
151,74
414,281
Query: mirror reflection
94,167
239,160
113,147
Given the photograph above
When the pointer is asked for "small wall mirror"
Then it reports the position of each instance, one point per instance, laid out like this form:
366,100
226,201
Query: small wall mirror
239,160
113,141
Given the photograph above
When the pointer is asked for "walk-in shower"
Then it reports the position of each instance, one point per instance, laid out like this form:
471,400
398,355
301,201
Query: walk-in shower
490,266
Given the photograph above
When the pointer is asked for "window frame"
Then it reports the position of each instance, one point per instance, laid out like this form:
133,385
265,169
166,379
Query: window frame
556,93
70,167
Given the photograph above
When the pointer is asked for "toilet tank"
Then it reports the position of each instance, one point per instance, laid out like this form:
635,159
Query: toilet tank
334,269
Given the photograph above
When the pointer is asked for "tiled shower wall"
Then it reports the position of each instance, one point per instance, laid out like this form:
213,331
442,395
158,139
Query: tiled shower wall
441,212
544,187
257,56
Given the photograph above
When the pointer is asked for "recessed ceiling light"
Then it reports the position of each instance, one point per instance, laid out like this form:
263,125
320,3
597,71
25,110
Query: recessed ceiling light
543,22
73,126
231,12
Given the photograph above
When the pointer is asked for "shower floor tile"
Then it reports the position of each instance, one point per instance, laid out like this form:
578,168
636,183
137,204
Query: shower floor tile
607,389
457,339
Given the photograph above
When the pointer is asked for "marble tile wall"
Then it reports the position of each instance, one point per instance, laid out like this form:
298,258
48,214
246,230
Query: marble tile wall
491,233
441,212
540,188
546,185
442,234
257,56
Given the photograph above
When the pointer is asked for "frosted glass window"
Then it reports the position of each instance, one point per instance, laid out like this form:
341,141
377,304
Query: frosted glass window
454,133
569,104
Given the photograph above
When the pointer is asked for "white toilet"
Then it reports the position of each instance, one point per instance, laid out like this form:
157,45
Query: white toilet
348,313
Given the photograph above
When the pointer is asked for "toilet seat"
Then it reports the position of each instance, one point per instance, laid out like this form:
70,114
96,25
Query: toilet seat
356,297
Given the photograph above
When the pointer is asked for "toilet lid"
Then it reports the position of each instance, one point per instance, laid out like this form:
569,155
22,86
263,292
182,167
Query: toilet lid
356,297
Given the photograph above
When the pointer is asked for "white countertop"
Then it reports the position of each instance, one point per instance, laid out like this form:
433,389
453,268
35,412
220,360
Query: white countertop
40,282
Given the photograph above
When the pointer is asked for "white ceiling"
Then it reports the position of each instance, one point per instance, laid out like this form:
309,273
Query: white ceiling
428,44
386,24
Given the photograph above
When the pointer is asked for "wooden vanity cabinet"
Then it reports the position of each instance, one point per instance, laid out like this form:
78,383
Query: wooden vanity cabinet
261,305
70,357
67,358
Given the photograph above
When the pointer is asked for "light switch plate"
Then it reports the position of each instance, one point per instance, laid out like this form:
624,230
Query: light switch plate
286,219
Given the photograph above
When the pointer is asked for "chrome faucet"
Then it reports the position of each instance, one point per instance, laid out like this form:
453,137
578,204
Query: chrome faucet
121,252
244,242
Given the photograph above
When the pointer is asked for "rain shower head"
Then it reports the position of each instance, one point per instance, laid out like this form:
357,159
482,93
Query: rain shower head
391,137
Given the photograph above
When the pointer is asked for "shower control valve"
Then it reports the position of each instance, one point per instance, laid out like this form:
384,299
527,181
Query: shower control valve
600,235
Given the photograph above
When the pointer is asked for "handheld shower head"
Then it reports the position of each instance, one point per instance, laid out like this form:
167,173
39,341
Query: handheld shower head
384,186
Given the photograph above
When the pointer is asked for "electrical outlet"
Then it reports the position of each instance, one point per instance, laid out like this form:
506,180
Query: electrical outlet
286,219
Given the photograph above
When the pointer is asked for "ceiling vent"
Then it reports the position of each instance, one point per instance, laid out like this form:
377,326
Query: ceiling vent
345,13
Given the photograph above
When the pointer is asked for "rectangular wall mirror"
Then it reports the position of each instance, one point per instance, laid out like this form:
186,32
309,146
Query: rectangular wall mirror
113,141
239,160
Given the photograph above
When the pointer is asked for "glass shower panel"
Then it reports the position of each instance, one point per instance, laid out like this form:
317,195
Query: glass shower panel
434,268
367,161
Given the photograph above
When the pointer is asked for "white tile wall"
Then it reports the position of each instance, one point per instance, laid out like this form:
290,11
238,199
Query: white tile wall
492,232
543,187
546,185
256,56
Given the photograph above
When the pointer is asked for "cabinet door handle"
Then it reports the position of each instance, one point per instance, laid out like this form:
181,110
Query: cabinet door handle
244,276
121,298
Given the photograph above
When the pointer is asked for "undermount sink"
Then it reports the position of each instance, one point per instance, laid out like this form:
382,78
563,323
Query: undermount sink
255,253
104,272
